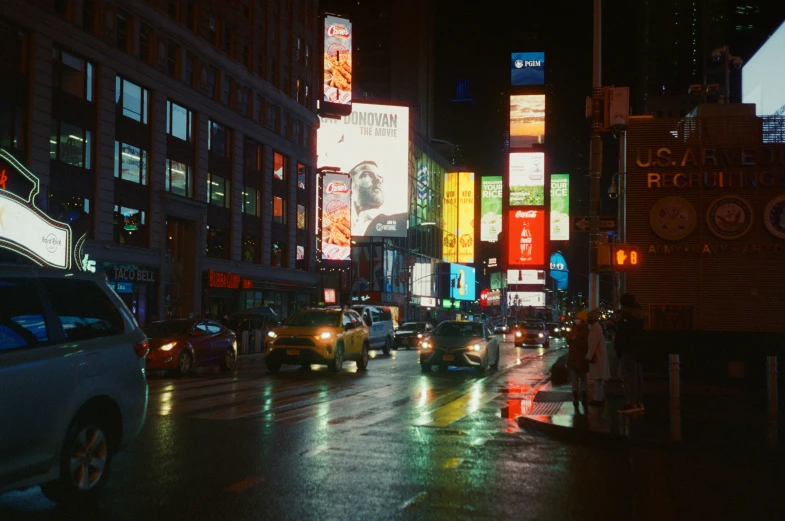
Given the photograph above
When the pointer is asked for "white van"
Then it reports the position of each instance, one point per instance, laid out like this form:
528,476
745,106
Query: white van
380,326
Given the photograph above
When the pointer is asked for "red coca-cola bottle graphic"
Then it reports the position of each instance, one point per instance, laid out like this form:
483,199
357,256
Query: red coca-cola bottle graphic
526,243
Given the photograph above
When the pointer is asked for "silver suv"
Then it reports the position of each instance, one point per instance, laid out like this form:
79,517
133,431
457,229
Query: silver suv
72,384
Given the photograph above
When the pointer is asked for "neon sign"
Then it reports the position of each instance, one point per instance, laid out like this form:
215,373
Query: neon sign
24,228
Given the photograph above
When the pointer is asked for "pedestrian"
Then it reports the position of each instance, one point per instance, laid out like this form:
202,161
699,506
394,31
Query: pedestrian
578,344
629,333
597,356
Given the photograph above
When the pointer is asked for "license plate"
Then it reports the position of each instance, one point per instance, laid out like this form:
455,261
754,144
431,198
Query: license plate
294,352
448,358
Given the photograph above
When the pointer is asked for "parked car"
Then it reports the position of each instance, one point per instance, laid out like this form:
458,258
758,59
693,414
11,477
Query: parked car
73,381
531,332
380,326
410,334
460,343
182,344
326,336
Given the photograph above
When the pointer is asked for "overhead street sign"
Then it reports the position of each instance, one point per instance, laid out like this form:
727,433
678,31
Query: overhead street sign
583,224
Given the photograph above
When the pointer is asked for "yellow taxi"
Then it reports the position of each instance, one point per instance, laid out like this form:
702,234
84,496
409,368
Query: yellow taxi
326,336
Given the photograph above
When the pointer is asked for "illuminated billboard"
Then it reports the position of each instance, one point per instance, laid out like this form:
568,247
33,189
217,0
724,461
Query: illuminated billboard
526,238
560,207
462,286
526,277
525,298
422,279
372,145
763,76
491,208
337,91
527,68
527,120
458,217
527,178
336,217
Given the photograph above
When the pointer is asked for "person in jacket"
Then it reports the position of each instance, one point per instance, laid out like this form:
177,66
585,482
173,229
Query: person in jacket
578,344
597,356
629,332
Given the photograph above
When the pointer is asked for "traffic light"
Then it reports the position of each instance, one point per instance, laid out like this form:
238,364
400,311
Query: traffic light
625,256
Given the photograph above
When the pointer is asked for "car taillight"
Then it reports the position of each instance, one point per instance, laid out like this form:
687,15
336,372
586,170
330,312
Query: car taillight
142,349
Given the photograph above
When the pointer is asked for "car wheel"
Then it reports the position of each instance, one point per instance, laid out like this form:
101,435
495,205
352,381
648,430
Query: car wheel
184,363
362,363
85,461
273,365
495,364
426,368
547,344
337,362
230,356
387,346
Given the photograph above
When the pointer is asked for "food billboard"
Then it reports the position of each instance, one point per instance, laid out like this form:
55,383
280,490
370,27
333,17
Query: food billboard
491,208
560,207
336,217
337,91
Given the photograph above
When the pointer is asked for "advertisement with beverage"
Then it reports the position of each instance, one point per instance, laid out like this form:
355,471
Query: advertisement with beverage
560,207
462,282
491,208
336,217
527,178
526,238
337,60
372,146
527,68
527,120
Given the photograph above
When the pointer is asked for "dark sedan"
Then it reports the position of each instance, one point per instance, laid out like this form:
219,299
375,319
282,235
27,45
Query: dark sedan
180,345
460,343
410,334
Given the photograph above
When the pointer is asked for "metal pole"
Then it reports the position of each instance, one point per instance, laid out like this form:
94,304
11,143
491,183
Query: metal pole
595,170
726,57
623,202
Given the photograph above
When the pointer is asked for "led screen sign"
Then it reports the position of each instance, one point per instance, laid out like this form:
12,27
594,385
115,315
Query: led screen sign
526,277
526,246
560,207
462,286
372,146
337,91
24,228
763,76
422,279
527,120
336,217
527,68
525,298
458,244
527,179
491,208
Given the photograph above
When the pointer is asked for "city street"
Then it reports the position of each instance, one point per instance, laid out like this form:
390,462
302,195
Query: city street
392,443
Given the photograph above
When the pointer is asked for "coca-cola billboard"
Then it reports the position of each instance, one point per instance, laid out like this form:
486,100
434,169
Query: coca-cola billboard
526,238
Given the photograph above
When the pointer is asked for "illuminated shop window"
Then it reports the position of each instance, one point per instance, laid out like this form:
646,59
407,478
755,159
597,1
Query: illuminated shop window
218,190
279,210
279,166
251,248
179,178
179,121
302,176
278,255
130,226
132,98
217,242
130,163
251,201
301,217
70,144
72,74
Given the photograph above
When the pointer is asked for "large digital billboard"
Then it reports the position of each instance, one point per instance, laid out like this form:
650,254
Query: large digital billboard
527,68
525,298
337,91
423,279
491,208
763,77
462,286
560,207
458,217
372,146
527,120
336,217
527,178
526,238
535,277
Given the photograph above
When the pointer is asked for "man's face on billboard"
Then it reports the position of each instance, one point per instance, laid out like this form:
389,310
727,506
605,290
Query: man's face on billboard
367,186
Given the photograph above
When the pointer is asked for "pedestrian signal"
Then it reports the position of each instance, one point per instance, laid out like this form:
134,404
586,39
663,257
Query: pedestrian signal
625,257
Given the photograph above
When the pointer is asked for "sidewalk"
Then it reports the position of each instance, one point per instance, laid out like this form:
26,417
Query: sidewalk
705,417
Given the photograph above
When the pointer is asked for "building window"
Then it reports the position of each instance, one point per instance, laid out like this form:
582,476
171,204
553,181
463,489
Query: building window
278,254
302,176
178,178
217,242
171,9
172,50
209,85
284,124
307,97
212,33
251,248
252,155
297,132
130,226
279,166
279,210
307,55
70,144
88,16
251,201
226,90
145,38
217,139
12,126
247,56
132,98
306,137
218,190
229,41
130,163
297,85
72,74
257,108
273,79
190,66
179,121
272,117
301,262
297,49
241,105
301,217
190,14
123,30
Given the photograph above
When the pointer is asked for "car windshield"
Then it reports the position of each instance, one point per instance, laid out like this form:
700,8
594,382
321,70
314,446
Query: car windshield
315,319
413,326
459,329
166,329
534,325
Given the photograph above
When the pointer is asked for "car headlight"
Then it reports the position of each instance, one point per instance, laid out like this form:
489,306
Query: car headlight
419,335
168,347
426,345
476,347
325,335
555,329
518,333
271,334
541,335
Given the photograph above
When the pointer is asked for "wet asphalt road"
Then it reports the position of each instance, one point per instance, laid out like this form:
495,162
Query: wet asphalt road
392,443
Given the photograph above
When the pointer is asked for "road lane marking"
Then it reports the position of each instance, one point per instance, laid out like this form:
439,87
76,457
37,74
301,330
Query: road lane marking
415,501
242,485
